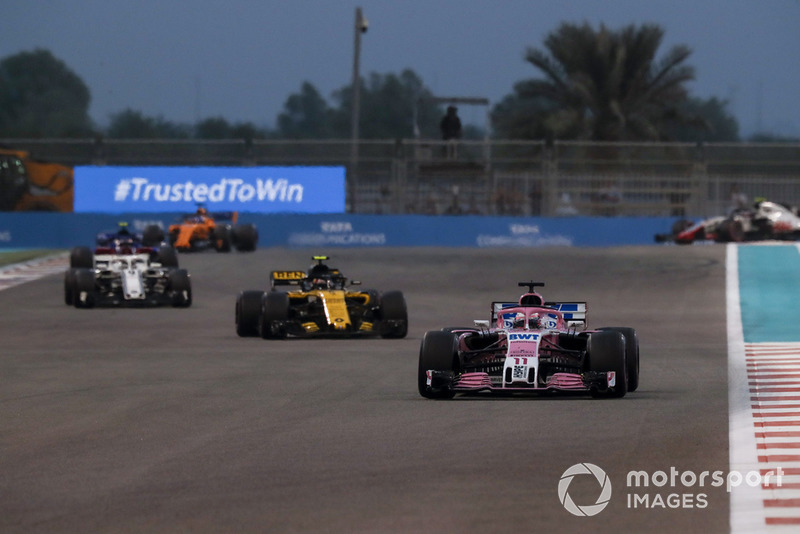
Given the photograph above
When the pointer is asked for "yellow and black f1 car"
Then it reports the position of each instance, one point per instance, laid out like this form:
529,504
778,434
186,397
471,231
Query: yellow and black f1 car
319,303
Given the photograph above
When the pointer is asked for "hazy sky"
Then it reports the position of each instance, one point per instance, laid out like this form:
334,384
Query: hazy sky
240,59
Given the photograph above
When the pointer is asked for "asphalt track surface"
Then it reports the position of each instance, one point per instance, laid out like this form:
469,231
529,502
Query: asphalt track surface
163,420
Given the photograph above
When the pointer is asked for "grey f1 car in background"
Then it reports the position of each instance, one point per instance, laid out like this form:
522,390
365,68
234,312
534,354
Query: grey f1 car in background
766,220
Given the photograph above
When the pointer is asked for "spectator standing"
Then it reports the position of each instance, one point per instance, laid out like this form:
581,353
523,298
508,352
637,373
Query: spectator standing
451,131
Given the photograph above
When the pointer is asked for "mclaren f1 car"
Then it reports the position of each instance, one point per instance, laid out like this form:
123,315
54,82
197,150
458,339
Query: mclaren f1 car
204,230
319,302
529,346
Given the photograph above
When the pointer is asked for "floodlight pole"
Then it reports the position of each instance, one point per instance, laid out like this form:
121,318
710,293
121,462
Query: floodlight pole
360,27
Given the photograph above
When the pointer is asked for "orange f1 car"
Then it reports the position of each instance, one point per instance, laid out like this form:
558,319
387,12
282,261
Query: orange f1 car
202,230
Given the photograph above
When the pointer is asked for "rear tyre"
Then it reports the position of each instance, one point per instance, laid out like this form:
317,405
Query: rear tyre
180,288
730,231
274,314
167,256
245,237
84,295
81,258
436,353
152,236
631,354
248,313
394,315
605,351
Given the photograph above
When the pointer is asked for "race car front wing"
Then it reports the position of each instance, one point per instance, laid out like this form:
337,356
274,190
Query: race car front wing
475,382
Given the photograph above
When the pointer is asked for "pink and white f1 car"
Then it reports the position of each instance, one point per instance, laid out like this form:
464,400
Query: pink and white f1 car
529,346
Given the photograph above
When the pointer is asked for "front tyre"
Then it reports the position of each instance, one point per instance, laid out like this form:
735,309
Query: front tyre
69,287
180,288
437,352
394,315
631,354
222,238
274,314
605,351
248,313
85,294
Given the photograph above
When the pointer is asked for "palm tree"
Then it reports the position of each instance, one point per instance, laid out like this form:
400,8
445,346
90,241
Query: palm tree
605,85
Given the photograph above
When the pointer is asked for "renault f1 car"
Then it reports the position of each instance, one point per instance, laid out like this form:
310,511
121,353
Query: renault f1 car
319,303
529,346
766,220
124,279
203,230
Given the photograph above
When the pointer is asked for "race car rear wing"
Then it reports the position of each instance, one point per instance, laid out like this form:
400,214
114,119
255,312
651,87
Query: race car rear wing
574,313
286,278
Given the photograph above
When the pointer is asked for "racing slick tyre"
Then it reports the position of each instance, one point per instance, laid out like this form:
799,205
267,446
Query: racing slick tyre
274,312
81,258
631,354
245,237
436,353
222,238
248,313
730,231
180,288
681,226
394,315
152,236
83,295
605,351
167,256
69,287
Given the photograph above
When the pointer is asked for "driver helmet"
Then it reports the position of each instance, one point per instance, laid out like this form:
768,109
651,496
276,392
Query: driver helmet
519,321
321,283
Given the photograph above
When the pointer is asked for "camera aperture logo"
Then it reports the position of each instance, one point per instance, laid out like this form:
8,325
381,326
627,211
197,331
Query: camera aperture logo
662,489
602,499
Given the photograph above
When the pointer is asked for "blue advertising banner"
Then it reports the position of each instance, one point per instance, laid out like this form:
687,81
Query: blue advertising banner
322,231
249,189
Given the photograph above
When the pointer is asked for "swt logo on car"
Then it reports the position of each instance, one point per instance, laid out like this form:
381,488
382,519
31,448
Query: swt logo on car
523,337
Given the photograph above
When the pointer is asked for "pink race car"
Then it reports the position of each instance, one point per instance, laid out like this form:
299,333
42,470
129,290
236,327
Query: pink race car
529,346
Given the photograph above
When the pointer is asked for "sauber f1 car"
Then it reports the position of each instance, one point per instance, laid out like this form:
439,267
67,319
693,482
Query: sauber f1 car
529,346
319,303
118,278
767,220
202,230
123,241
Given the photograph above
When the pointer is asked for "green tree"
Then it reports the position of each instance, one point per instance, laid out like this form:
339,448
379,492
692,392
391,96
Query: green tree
601,85
41,97
212,128
713,123
132,124
388,106
305,115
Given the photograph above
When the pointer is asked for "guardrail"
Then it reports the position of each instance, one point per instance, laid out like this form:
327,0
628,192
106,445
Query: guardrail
490,177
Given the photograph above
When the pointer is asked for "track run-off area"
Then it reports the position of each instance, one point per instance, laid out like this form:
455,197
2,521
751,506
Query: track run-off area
163,420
